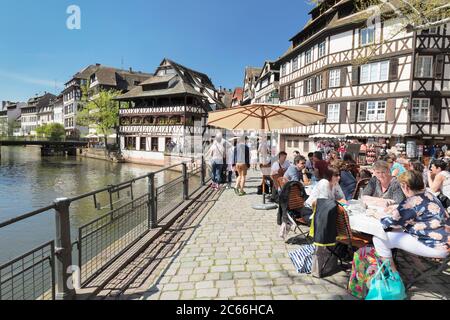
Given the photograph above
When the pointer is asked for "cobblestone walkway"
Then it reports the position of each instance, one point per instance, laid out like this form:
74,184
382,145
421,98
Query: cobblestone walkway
235,253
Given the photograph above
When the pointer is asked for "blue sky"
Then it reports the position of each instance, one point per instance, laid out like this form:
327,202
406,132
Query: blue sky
219,38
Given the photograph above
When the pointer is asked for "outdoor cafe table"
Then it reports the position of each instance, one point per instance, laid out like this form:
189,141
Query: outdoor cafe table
363,222
360,220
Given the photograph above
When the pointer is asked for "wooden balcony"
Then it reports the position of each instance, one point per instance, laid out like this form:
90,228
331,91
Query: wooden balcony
162,110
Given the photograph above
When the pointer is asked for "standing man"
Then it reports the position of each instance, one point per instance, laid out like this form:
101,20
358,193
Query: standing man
242,164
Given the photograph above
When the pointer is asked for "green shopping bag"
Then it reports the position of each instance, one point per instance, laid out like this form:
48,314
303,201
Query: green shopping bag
386,284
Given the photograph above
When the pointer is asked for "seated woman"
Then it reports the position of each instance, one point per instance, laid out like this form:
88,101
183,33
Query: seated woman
383,189
422,223
327,188
347,181
441,181
419,167
351,164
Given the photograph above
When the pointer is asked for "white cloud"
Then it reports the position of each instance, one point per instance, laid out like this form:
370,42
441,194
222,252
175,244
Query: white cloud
32,80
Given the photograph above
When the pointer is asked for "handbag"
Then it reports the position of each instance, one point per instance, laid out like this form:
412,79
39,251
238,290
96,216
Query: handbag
386,284
324,262
444,200
364,266
302,258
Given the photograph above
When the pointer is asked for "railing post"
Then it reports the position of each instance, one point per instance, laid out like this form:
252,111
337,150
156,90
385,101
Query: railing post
64,290
185,182
152,214
203,171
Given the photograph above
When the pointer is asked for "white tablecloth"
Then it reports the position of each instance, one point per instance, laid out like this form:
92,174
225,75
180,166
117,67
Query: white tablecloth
308,190
368,224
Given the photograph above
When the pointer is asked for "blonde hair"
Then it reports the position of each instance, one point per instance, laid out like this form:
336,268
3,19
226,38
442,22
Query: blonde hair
381,165
413,179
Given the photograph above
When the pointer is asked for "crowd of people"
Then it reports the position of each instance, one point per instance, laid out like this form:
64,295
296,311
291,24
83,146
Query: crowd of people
416,197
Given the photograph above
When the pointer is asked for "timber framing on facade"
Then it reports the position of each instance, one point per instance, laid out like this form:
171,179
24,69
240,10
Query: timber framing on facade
371,80
167,113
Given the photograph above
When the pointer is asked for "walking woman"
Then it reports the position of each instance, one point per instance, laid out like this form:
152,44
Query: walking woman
242,164
217,154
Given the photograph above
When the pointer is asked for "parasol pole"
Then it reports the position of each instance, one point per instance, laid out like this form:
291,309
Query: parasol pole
264,206
263,125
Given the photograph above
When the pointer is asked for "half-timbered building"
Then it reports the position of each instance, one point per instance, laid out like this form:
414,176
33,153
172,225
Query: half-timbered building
251,76
237,97
267,85
99,77
166,115
372,78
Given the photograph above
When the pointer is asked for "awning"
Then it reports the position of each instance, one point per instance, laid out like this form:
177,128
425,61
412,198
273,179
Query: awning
368,135
327,136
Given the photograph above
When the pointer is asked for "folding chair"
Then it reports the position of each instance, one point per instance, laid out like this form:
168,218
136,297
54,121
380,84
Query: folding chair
435,267
361,184
296,202
346,236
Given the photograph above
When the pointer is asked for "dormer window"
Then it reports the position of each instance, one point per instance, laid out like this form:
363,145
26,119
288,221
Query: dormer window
93,78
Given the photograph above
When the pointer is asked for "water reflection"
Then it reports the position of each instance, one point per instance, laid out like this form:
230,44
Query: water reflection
28,182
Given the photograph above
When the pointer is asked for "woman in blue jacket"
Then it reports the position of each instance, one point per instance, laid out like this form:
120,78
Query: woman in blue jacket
347,181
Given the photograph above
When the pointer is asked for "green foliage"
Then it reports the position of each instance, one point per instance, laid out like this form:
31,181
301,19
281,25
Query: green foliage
99,110
52,131
12,125
416,14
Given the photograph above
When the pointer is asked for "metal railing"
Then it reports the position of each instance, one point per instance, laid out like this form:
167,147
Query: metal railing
46,272
30,276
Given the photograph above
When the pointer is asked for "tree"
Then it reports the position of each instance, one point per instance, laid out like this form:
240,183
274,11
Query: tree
52,131
55,131
12,126
41,130
99,110
417,14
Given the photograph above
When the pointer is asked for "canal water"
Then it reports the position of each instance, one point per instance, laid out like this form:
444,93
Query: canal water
29,182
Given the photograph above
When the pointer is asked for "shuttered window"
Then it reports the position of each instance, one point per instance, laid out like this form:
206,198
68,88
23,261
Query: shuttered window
283,69
375,72
295,64
372,111
335,78
308,56
333,114
424,66
321,49
319,82
292,91
420,110
309,85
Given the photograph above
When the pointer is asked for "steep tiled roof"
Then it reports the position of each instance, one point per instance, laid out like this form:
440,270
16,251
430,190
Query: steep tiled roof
113,77
182,81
